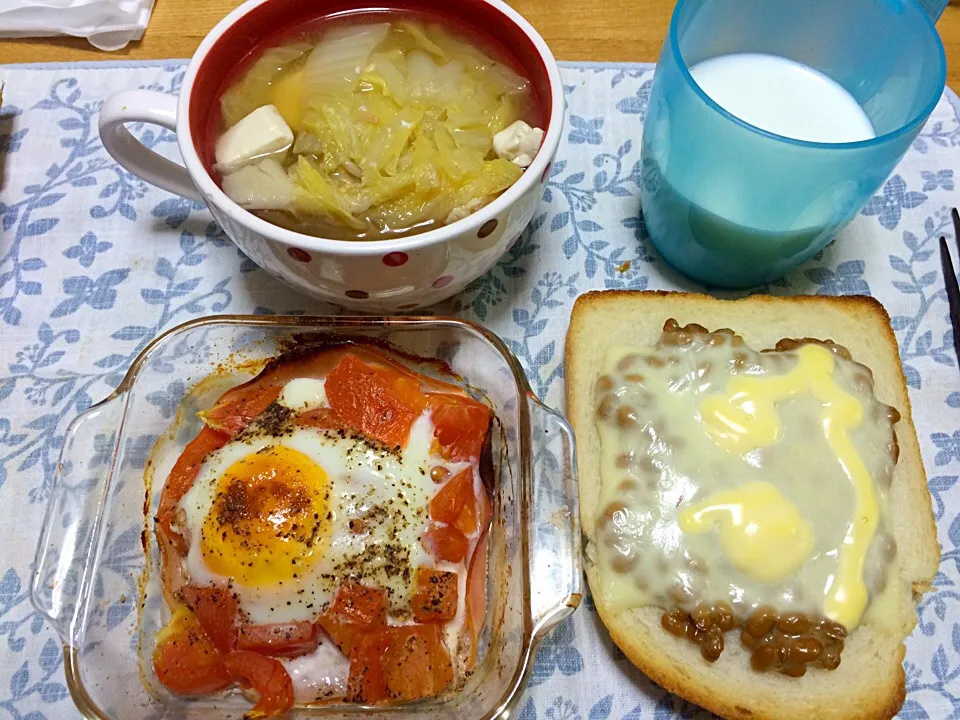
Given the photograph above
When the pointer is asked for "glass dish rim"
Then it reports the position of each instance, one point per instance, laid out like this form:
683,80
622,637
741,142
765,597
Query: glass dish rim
533,628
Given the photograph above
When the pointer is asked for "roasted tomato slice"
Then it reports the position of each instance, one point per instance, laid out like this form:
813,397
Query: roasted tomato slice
185,659
344,635
460,425
365,682
172,576
356,608
265,675
181,479
399,663
234,411
380,402
436,597
476,600
415,663
216,610
321,418
456,503
445,543
484,510
241,404
360,605
279,639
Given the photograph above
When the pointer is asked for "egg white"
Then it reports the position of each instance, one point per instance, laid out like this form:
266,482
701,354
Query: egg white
319,675
361,477
303,394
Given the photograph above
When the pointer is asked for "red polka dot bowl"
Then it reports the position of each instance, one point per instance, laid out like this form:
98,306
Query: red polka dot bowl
382,276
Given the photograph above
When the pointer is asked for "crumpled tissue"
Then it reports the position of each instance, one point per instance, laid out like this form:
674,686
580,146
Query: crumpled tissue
107,24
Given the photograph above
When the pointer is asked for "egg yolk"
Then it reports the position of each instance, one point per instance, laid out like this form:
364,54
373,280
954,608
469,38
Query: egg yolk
268,518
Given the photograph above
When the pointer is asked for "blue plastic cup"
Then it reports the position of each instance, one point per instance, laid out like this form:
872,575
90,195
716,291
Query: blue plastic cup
735,206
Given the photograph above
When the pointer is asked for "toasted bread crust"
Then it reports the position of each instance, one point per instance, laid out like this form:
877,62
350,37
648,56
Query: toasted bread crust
870,682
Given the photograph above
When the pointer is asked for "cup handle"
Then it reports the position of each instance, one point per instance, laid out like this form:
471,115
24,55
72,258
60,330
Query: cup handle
151,107
72,525
556,570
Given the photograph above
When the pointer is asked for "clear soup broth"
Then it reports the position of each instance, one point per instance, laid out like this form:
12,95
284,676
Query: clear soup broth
374,127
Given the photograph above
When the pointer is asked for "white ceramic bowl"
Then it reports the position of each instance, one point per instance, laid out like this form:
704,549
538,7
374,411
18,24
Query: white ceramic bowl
380,276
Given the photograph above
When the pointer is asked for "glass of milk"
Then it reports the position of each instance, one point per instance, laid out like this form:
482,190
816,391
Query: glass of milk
772,122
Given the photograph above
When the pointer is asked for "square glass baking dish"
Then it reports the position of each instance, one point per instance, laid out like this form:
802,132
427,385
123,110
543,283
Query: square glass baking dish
90,563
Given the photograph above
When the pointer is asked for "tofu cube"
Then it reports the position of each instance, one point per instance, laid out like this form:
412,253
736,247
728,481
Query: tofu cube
261,133
518,143
262,186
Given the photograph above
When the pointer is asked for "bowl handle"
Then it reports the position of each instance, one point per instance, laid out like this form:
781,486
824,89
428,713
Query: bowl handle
70,540
152,107
556,567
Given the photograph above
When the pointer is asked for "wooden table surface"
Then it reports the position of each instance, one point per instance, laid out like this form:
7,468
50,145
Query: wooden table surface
608,30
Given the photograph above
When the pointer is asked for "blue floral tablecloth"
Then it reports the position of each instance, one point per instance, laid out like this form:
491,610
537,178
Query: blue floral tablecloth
94,263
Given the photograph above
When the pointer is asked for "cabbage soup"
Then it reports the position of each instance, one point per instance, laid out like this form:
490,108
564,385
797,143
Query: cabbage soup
375,127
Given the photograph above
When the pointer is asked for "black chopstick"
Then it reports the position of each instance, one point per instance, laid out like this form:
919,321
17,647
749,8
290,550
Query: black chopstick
950,281
955,216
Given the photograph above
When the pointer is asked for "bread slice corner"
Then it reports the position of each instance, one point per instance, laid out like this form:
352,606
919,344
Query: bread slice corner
870,681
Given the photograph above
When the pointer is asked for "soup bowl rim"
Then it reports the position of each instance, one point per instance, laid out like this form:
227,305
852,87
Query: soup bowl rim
469,225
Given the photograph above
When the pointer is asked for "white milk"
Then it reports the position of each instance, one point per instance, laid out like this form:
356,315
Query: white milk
783,97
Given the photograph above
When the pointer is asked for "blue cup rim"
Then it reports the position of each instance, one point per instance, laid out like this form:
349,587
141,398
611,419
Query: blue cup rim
908,127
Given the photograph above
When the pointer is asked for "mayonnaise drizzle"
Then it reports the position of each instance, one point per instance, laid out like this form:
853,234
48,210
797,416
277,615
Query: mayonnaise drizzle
744,417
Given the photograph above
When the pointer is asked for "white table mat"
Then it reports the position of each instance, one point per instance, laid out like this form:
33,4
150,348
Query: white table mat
94,263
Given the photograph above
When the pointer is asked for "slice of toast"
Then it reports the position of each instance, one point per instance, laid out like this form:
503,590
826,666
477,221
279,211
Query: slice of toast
870,681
